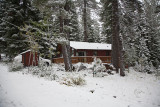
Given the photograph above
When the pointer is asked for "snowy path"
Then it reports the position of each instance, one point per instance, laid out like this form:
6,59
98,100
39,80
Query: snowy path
135,90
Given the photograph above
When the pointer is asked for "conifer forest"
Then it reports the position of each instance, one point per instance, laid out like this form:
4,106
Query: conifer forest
75,42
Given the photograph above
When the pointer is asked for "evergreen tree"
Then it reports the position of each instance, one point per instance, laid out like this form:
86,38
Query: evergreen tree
3,5
63,12
131,25
44,36
138,30
16,14
91,31
90,28
152,33
75,31
106,18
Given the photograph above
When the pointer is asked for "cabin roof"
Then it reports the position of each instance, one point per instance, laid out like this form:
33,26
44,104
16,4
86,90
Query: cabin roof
90,46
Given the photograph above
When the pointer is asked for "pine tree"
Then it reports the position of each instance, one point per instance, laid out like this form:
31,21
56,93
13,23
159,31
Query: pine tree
75,31
152,26
45,38
63,10
15,43
89,26
90,32
138,30
3,5
131,25
106,18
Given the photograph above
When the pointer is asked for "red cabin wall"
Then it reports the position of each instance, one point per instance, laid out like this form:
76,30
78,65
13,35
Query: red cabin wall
27,59
90,52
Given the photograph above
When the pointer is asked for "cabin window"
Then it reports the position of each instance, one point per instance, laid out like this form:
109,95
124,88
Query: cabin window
72,52
95,53
107,53
81,53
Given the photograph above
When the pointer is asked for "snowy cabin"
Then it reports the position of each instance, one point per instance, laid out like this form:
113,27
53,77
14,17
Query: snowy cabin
85,52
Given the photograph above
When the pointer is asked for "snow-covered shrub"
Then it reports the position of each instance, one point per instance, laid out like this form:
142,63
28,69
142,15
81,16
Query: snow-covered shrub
53,77
79,80
151,68
40,71
43,71
157,74
15,66
35,71
147,68
98,67
73,79
80,67
44,62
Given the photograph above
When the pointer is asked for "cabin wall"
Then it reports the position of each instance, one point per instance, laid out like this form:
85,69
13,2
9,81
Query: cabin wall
88,52
27,59
58,51
91,52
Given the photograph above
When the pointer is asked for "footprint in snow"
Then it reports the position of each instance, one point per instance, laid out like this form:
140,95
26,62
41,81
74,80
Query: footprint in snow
92,91
115,96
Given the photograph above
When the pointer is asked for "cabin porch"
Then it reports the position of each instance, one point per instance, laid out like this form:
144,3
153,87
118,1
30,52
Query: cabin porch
84,59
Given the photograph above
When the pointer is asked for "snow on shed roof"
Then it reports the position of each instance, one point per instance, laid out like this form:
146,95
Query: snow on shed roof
90,46
25,51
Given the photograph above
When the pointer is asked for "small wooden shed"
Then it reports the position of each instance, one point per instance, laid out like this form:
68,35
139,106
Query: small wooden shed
30,58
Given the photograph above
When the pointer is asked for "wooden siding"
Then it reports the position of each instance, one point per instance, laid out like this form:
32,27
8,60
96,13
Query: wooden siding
84,59
90,52
27,59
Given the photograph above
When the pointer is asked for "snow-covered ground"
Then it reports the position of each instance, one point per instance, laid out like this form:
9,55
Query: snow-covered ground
134,90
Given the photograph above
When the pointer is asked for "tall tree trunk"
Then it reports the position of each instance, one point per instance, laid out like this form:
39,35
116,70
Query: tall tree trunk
65,51
117,58
115,32
121,53
85,21
66,22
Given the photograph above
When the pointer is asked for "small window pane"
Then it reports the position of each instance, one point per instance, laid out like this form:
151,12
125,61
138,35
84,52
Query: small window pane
80,53
95,53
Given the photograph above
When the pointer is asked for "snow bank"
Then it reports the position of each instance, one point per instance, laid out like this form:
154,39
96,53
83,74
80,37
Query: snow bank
18,58
134,90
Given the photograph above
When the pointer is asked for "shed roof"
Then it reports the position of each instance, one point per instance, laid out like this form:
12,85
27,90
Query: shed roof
90,46
25,52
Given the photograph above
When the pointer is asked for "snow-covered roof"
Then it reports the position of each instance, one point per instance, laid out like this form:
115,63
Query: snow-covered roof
25,52
90,46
